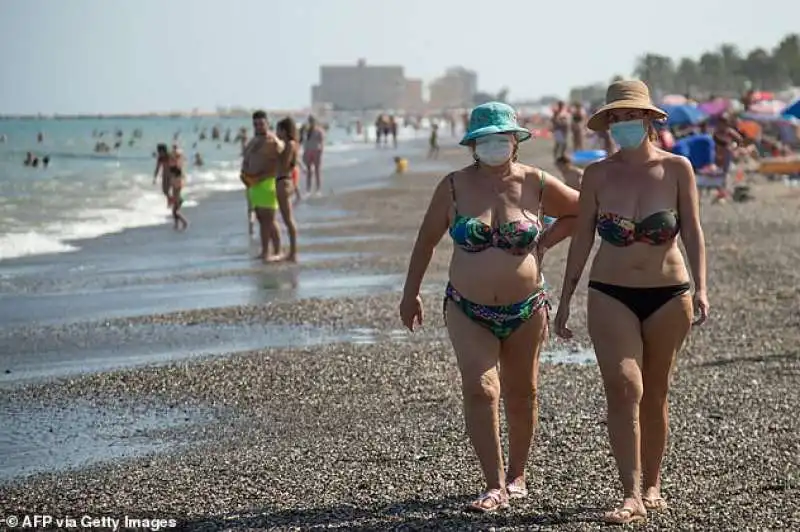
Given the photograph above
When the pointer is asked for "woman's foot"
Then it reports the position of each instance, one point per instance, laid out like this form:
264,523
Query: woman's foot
489,501
270,258
631,511
653,500
516,489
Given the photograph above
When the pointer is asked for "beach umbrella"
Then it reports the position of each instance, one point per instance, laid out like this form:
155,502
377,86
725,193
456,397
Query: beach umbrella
767,107
673,99
769,119
763,95
792,110
715,107
683,115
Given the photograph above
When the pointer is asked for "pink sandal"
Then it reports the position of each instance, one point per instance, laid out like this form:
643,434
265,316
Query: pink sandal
489,501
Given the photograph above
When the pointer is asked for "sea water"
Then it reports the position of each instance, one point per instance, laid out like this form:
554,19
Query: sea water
83,194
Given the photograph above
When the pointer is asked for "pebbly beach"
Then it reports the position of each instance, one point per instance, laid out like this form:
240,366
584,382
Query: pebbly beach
351,422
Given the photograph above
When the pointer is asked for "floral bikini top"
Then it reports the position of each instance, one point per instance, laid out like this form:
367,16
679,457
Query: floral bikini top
656,229
473,235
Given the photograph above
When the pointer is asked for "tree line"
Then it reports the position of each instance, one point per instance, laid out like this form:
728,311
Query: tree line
725,71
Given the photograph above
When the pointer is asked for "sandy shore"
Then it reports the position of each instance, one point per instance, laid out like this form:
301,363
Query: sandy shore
371,436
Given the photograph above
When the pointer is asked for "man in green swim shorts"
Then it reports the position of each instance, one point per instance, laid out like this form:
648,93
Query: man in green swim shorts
260,166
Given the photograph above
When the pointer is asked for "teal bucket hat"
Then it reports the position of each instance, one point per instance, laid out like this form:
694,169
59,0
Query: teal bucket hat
493,117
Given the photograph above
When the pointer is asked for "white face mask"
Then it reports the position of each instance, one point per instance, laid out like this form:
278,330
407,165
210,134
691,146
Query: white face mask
494,150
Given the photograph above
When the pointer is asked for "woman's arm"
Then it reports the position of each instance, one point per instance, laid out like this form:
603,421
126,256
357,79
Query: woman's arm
159,164
583,236
561,202
689,211
433,227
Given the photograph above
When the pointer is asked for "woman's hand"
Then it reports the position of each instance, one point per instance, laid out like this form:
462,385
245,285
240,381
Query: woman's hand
560,323
700,303
411,311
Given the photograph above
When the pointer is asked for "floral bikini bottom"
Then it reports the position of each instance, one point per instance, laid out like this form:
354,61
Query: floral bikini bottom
501,320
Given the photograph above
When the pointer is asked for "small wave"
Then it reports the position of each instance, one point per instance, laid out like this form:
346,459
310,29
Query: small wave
59,237
13,245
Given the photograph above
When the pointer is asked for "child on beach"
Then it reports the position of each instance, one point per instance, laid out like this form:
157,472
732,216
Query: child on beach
175,198
400,165
433,152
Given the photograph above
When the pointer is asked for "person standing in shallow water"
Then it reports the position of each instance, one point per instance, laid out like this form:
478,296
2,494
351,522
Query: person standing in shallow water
162,169
260,166
313,144
495,304
176,198
288,181
639,306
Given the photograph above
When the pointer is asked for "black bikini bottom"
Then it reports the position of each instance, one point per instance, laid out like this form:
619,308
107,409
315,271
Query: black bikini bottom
641,301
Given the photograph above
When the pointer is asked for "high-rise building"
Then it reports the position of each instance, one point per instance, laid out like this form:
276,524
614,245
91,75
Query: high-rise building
413,101
360,86
455,89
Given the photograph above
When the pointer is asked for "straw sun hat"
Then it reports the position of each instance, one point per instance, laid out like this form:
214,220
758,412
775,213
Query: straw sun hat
628,94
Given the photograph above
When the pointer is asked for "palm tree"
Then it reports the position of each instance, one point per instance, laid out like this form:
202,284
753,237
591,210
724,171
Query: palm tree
731,61
658,71
787,54
688,76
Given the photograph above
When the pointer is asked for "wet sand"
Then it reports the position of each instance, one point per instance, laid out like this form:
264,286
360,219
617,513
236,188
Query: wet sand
369,435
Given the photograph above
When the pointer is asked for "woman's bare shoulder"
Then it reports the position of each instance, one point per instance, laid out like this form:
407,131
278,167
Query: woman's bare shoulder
461,173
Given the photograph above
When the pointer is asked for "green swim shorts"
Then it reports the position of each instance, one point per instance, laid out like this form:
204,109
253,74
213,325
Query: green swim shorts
263,195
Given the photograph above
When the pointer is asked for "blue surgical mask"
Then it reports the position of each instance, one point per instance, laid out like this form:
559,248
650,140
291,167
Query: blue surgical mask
629,134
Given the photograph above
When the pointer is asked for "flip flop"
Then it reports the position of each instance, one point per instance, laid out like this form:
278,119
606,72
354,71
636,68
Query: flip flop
623,516
515,491
657,504
497,501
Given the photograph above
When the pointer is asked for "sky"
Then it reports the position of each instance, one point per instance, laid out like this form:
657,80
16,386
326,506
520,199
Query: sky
128,56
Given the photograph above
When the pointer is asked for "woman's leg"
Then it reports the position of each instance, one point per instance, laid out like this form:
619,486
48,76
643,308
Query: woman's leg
477,351
309,172
317,170
180,219
285,204
519,372
617,339
663,332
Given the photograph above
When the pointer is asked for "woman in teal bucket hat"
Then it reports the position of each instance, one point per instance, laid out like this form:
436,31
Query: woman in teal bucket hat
495,305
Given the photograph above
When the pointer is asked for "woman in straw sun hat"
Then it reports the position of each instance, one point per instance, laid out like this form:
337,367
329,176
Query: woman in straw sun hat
495,304
639,306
